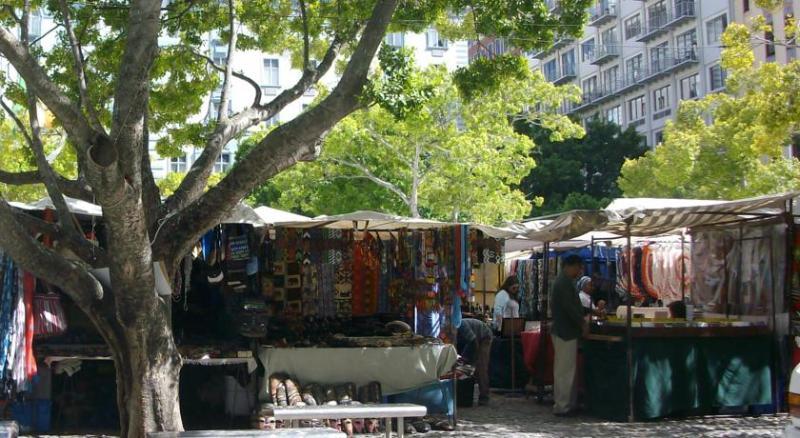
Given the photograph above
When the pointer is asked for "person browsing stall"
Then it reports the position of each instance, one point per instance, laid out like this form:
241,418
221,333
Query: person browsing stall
510,288
585,291
568,325
475,345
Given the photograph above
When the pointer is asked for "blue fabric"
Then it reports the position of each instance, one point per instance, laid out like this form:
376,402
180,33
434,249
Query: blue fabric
437,397
7,295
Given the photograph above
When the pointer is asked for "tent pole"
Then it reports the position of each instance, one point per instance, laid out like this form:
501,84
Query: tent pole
628,327
543,329
776,355
683,266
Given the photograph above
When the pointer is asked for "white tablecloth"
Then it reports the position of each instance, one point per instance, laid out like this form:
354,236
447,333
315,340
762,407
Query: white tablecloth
398,369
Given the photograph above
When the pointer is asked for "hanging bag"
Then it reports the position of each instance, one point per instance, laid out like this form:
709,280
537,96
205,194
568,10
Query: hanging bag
49,317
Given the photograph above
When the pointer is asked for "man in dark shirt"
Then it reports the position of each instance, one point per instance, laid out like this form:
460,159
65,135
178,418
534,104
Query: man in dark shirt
475,345
568,324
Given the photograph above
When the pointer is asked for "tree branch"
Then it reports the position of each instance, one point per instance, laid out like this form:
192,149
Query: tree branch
222,114
13,13
36,78
72,278
195,181
85,250
80,72
284,146
238,75
366,173
132,92
71,188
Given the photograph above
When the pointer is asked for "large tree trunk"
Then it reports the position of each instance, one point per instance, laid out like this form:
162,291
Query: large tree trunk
148,368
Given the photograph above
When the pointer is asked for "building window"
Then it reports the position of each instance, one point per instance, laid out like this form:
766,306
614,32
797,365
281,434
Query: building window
659,57
715,28
658,138
587,50
637,108
686,44
716,77
611,79
271,73
633,27
395,39
434,40
223,162
35,25
614,115
590,86
633,68
657,14
273,121
746,5
568,63
550,70
661,106
177,164
770,46
609,37
689,87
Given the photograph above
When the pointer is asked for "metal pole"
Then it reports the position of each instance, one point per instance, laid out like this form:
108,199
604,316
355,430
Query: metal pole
683,266
543,329
628,327
775,336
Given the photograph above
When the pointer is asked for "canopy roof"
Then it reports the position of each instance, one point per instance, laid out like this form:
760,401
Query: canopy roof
652,217
272,215
76,206
669,215
373,221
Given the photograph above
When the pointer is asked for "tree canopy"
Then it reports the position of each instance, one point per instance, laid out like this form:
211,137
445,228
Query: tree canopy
449,158
579,173
741,152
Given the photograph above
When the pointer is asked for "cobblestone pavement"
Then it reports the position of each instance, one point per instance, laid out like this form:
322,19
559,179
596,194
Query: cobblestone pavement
518,417
524,418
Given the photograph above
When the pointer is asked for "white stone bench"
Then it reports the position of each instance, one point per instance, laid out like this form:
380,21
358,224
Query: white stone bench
399,411
8,429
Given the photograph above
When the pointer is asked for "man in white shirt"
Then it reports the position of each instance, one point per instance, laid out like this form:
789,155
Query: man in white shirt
501,299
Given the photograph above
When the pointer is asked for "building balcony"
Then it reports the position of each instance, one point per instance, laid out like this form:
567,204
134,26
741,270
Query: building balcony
667,65
605,53
588,101
566,74
662,23
561,41
602,14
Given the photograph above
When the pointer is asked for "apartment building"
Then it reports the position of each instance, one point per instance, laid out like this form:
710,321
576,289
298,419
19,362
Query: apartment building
272,71
745,10
638,59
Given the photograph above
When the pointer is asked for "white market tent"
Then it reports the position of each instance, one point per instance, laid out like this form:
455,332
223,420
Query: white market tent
373,221
240,214
647,217
76,206
272,215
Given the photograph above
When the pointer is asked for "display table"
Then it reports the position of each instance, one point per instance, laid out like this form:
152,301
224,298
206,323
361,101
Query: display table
540,369
684,372
500,364
398,369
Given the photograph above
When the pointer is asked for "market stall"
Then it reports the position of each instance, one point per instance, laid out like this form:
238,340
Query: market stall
349,275
727,352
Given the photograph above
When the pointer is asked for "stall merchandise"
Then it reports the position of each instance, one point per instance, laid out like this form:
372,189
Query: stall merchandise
657,270
320,274
17,324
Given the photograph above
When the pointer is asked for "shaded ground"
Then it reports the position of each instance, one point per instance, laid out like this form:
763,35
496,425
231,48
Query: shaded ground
518,417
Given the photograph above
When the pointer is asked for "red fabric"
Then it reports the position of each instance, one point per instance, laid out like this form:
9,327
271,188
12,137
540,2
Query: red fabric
29,285
359,259
540,370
